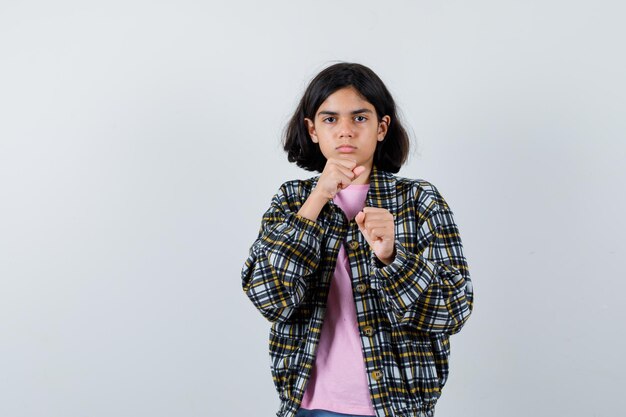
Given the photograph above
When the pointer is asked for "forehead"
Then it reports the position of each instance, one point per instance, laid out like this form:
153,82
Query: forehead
346,99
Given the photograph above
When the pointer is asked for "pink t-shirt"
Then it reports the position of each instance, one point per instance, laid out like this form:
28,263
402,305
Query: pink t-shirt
339,381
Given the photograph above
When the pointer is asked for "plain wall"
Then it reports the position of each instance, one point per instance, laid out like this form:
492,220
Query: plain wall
140,145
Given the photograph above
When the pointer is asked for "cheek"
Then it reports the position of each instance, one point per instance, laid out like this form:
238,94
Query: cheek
326,147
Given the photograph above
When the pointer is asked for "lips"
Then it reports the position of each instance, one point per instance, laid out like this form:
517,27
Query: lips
346,148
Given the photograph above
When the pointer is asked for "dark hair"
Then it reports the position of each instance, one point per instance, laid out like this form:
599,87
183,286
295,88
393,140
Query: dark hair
390,153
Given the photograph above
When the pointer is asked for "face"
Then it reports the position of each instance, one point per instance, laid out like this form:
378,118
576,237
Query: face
346,125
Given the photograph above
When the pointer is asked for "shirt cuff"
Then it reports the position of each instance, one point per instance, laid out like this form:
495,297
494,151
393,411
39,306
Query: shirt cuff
295,223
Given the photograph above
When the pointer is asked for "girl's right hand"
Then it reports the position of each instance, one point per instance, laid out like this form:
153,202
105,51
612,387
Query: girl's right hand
338,173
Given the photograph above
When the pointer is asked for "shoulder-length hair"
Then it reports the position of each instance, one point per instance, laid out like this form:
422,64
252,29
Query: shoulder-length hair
390,153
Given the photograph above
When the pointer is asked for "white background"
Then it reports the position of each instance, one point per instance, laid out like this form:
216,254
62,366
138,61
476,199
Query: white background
140,145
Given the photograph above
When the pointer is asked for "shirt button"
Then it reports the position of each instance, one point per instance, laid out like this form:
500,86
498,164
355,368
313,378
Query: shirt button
361,288
353,244
377,375
368,331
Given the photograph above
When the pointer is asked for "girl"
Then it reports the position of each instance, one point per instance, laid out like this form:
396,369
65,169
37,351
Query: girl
360,272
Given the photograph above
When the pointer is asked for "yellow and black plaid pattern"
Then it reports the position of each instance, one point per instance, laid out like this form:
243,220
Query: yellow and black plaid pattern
406,310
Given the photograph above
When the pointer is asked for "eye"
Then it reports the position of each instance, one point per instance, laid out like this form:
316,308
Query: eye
360,118
329,119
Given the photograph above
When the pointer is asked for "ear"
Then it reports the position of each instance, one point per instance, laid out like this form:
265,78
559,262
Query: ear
383,127
311,129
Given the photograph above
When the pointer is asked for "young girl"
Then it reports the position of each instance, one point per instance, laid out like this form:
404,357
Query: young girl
360,272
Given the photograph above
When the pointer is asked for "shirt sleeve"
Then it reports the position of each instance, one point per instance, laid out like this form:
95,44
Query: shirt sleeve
429,290
284,256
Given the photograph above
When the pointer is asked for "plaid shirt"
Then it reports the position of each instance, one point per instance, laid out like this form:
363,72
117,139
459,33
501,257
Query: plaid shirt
406,310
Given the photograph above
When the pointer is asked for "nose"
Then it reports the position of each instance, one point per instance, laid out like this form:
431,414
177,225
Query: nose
345,128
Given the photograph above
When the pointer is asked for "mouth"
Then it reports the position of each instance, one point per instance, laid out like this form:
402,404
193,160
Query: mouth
346,148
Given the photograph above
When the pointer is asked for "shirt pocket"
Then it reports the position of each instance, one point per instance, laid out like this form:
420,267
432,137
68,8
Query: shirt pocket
420,370
285,351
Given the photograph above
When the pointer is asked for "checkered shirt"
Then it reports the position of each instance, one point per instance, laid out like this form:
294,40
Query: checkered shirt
406,311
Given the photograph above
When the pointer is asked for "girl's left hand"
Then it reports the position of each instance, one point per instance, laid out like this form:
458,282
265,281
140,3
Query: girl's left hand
377,226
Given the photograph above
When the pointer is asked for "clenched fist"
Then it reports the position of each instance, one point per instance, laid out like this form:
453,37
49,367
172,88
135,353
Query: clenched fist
377,225
338,173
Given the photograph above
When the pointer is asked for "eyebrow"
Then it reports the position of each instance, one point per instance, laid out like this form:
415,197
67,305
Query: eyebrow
334,113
